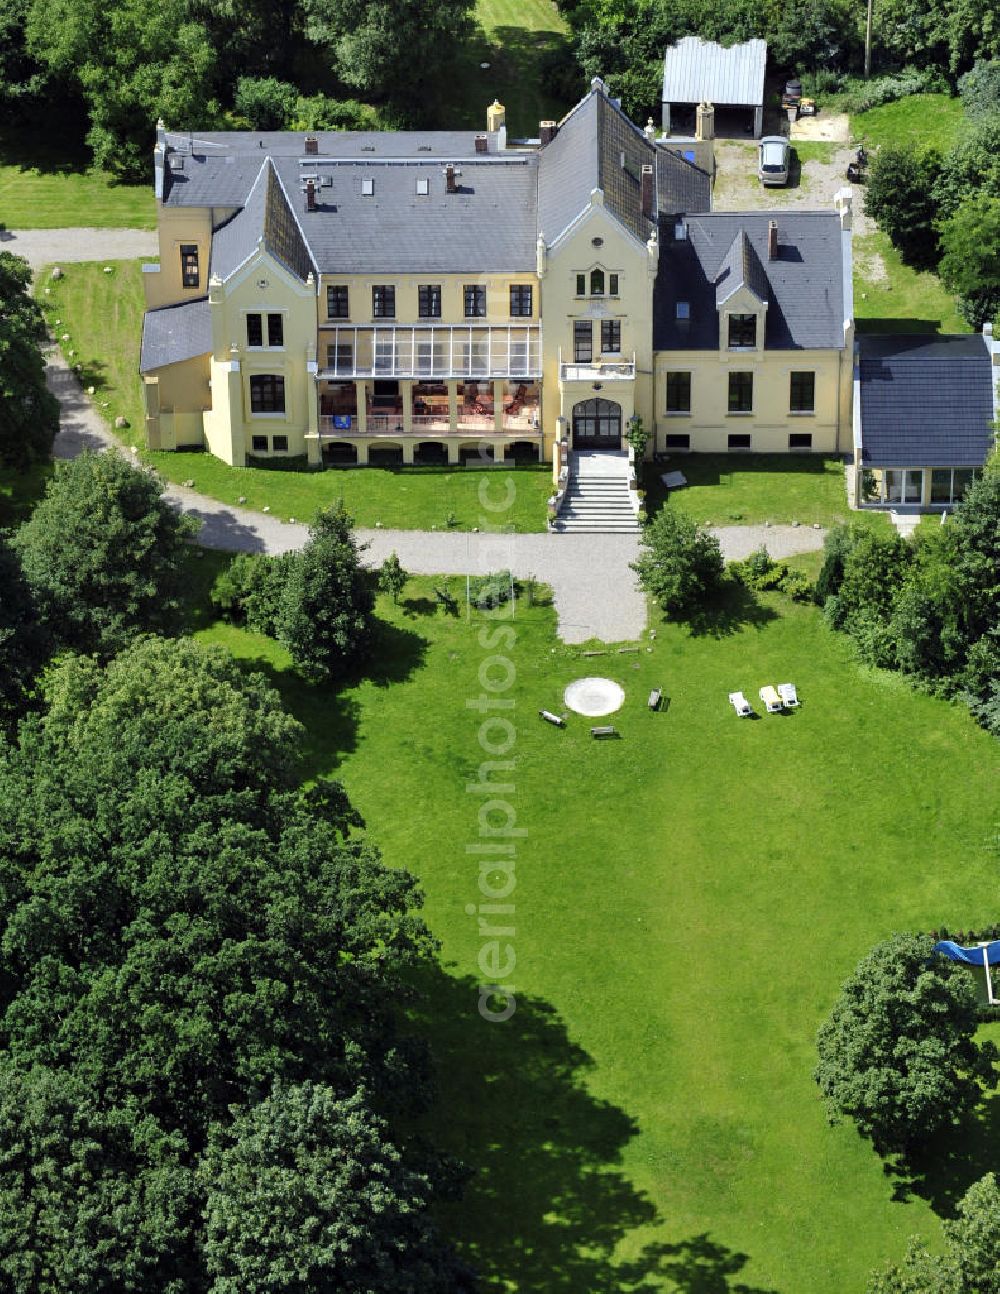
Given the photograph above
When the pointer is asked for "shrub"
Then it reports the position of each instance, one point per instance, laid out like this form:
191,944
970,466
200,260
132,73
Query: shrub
862,96
680,564
491,591
980,88
798,587
249,590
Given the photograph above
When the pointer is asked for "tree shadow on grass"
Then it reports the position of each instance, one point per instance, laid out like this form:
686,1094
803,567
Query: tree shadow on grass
548,1202
943,1170
733,609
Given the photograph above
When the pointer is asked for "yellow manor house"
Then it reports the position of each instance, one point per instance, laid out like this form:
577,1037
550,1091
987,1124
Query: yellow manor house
430,296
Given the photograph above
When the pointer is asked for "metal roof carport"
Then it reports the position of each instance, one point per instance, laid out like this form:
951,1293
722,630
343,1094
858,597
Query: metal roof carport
700,71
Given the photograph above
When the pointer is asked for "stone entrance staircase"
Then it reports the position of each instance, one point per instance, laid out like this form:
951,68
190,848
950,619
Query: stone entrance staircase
597,498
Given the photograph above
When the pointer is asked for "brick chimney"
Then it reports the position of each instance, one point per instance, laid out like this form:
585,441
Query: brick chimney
310,195
482,144
312,145
646,192
772,240
547,131
450,179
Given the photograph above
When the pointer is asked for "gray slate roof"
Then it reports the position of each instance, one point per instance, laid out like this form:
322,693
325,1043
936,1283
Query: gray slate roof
926,400
680,185
268,219
696,70
488,223
218,168
175,333
597,147
804,286
504,198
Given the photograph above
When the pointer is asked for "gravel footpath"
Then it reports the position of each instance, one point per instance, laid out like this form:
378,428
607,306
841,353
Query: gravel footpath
594,590
48,246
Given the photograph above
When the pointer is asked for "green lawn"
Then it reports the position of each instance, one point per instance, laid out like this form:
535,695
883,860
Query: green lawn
892,297
924,120
688,900
726,489
102,313
47,186
514,37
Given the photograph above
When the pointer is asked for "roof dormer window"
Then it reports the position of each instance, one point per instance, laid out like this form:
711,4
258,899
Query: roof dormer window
742,332
423,187
367,188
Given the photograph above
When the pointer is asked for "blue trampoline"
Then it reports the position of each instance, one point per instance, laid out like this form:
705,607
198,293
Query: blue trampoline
980,955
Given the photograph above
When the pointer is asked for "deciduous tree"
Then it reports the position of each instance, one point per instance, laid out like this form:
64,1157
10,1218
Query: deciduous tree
680,564
308,1186
970,264
103,553
898,1053
325,619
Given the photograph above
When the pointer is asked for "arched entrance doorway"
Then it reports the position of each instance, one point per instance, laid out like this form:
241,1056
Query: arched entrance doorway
597,424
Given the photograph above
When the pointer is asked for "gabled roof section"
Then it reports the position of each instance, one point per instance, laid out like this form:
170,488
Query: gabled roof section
173,334
741,269
805,280
596,147
926,400
266,220
696,70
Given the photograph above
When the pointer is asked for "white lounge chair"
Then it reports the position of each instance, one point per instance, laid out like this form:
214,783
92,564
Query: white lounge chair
740,704
788,694
771,699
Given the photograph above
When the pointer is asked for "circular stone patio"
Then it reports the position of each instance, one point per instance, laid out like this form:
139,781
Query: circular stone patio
594,697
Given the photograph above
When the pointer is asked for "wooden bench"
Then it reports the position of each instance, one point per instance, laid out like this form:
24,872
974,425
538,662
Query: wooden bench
555,719
605,730
655,697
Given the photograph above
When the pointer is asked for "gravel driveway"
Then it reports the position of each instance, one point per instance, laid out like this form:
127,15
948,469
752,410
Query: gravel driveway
594,590
49,246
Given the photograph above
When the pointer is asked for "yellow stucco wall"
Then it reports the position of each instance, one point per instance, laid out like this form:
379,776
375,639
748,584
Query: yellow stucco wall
573,254
176,398
179,226
710,423
263,287
407,285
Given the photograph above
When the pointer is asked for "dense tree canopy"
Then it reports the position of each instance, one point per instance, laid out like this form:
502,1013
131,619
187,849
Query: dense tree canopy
23,643
970,265
29,413
930,608
898,1053
308,1187
102,553
186,939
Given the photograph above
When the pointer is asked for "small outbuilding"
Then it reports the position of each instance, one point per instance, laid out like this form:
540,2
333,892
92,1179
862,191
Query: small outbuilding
700,71
925,407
